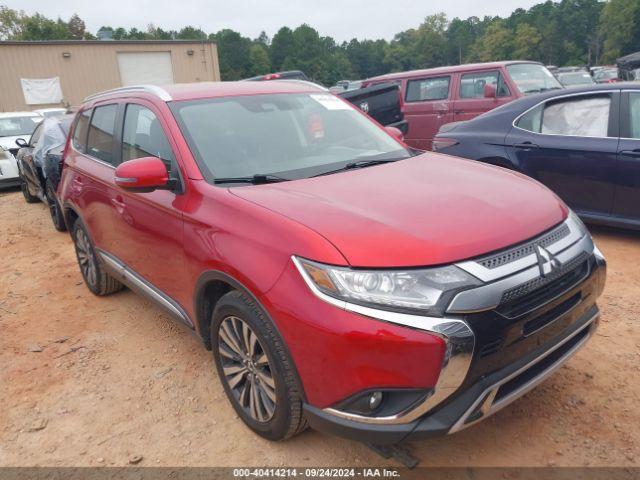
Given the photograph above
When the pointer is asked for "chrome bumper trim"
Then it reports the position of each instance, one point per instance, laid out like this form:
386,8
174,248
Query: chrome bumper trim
459,344
487,397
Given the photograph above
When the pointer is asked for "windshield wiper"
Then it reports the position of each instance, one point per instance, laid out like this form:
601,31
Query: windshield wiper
358,164
256,179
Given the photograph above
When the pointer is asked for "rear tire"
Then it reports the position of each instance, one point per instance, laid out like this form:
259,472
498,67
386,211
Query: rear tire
26,193
97,280
255,369
54,208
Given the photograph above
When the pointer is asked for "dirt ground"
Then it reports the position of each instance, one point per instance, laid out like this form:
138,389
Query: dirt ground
116,378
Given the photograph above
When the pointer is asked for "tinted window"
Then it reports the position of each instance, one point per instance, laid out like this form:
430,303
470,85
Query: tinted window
472,84
80,131
427,89
584,116
634,115
100,141
143,136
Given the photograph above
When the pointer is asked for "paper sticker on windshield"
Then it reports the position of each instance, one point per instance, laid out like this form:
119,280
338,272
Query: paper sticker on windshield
330,102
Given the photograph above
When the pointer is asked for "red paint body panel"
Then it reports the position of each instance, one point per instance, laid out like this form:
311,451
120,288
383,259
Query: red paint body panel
339,353
427,210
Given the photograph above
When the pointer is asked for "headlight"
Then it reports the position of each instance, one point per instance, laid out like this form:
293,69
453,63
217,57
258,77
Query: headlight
424,290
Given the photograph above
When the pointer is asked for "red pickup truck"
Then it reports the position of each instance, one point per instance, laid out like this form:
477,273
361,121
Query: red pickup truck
442,95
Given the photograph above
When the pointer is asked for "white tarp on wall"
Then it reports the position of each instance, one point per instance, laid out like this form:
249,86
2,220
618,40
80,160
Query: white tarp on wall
41,91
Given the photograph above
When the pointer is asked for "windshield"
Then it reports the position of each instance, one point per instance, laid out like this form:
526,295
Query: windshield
607,74
580,78
532,78
289,135
14,126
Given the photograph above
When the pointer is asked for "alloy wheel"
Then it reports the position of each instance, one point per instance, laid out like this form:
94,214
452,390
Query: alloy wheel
246,369
85,257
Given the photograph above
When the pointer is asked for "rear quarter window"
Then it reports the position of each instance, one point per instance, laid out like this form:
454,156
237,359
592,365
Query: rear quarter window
101,130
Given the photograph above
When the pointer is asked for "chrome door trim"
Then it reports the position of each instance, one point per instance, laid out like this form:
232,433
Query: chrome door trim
138,283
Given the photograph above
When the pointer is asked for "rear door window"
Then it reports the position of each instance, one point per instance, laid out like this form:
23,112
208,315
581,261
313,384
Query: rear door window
578,116
101,130
80,131
425,89
472,84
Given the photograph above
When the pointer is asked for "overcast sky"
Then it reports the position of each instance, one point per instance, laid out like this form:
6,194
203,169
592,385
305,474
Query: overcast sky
341,19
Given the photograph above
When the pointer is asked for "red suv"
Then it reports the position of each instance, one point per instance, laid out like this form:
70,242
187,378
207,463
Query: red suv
437,96
341,279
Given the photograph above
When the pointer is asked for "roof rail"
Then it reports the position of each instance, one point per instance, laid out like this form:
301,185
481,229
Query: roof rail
153,89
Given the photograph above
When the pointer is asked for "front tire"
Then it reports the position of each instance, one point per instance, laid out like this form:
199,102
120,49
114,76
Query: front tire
97,280
255,370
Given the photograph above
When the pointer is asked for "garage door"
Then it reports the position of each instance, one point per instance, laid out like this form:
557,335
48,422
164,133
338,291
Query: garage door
151,68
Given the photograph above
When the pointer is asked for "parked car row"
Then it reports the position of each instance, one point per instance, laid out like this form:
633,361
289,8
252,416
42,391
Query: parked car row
342,279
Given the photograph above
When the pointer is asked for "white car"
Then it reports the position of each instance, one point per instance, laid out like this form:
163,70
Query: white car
50,112
14,125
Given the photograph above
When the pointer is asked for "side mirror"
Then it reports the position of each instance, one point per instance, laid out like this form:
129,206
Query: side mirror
395,133
489,91
142,174
21,142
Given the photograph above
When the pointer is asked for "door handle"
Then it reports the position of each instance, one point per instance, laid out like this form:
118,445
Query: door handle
458,112
631,153
118,204
526,145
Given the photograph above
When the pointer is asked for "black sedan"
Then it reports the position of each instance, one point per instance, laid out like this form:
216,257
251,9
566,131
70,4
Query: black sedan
582,143
40,163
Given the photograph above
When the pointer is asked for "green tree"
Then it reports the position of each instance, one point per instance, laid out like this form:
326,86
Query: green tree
620,24
39,27
259,59
10,23
76,27
281,47
527,43
496,43
233,54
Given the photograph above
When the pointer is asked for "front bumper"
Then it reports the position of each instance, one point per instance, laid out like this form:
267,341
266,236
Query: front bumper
519,342
9,175
482,399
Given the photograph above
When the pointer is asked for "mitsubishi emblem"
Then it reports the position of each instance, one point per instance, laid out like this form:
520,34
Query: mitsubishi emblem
546,261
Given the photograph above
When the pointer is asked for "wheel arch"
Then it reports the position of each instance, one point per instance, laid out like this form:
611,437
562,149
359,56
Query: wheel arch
210,288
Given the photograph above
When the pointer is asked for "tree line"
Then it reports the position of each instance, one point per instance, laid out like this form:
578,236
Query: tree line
568,32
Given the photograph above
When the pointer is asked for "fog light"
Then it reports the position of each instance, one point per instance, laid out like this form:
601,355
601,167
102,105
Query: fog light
375,399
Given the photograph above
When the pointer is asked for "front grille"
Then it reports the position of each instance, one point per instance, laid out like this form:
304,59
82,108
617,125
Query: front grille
560,280
515,253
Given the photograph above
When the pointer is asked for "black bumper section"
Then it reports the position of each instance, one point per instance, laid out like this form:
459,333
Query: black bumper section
442,420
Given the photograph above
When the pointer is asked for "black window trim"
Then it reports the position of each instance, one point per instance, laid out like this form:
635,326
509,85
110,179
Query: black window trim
430,77
613,129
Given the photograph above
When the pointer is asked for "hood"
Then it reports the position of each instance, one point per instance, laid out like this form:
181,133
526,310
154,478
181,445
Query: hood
10,142
427,210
